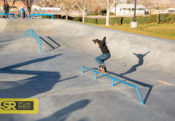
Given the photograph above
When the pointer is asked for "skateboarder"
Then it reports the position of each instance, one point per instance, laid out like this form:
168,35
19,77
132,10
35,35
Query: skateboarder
105,54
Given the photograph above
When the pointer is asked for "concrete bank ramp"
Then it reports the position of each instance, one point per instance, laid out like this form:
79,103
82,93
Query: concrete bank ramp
152,53
3,25
147,52
21,25
27,45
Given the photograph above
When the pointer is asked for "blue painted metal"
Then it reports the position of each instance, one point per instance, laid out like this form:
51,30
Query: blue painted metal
95,75
82,70
112,82
31,16
115,79
35,36
10,14
140,98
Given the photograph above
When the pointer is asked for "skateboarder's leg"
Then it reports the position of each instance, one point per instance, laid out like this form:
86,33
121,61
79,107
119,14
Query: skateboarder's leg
100,59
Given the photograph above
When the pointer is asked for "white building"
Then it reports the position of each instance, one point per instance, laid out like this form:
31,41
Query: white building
128,10
35,7
171,10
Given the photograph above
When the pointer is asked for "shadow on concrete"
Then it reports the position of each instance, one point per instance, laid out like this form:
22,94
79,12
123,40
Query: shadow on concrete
8,68
140,62
5,41
47,42
38,82
63,114
83,119
53,41
133,81
50,42
136,82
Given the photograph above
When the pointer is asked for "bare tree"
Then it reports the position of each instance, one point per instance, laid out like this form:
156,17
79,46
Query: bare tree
83,5
108,4
149,4
67,6
54,3
42,3
95,6
27,3
5,1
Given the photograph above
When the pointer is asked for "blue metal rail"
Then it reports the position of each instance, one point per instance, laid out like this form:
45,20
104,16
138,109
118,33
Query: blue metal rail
10,14
31,16
32,33
114,79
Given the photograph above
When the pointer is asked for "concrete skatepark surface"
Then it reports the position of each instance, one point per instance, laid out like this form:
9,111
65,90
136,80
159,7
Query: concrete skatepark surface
54,77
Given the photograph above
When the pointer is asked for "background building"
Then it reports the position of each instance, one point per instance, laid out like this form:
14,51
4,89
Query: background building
128,10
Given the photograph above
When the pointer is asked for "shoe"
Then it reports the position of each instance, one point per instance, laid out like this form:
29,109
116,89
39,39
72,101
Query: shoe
100,68
104,70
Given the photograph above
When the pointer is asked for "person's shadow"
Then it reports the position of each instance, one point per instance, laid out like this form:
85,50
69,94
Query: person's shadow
38,81
140,62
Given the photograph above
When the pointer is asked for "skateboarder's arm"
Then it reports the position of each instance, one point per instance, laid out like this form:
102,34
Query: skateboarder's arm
104,39
103,42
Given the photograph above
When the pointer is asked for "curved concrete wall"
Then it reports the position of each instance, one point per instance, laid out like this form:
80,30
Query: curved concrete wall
2,24
122,45
21,25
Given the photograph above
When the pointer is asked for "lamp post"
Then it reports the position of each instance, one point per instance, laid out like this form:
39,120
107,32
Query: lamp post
134,22
135,7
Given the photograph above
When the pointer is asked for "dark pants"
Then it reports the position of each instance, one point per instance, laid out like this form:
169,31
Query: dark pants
22,14
6,14
100,59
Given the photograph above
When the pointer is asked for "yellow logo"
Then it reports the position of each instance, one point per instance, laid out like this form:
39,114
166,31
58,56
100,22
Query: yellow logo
18,106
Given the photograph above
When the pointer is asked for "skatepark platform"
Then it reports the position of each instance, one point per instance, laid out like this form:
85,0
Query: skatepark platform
54,77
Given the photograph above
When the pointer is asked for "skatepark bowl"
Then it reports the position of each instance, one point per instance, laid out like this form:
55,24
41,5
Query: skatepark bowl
54,61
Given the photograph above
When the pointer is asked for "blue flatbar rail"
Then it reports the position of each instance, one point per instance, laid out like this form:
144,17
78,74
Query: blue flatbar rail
32,33
31,16
114,79
10,14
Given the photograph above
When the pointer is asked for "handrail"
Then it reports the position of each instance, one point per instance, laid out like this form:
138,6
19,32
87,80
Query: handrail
31,16
114,79
12,14
32,33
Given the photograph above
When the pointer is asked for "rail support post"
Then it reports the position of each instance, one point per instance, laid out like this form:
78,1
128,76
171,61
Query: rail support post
112,82
140,98
82,69
95,75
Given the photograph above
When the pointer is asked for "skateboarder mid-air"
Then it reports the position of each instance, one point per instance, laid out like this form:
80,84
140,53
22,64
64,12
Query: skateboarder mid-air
105,54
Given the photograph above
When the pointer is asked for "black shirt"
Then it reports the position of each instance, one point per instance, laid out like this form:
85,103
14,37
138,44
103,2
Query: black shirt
6,7
102,45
